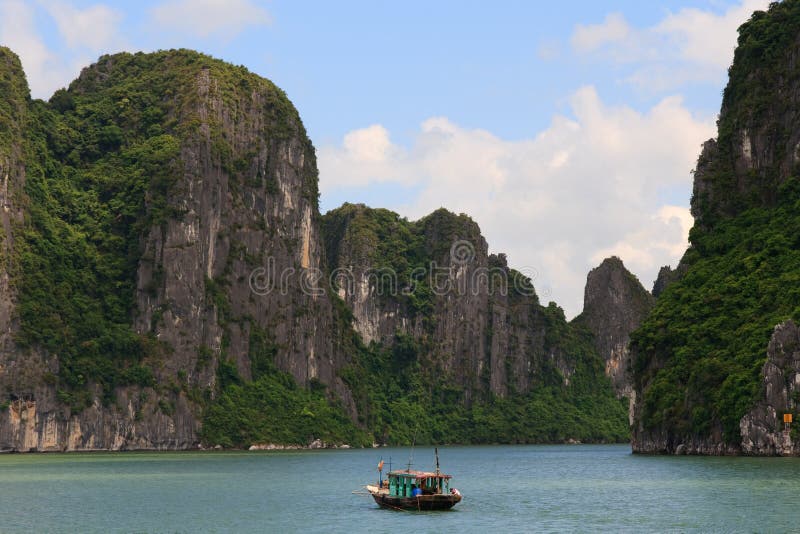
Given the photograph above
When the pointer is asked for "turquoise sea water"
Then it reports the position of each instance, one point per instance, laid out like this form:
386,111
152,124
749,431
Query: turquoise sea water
505,488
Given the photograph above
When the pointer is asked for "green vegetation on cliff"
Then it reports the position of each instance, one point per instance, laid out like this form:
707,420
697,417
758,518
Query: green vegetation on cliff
759,114
699,356
103,161
13,105
759,64
701,350
403,388
393,245
274,409
401,396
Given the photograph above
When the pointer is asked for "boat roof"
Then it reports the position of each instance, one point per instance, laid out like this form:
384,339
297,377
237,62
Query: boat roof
417,474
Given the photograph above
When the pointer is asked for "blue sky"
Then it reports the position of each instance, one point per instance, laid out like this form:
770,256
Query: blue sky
568,131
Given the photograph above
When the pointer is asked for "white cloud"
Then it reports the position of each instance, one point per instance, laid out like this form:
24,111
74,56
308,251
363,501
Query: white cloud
663,235
614,29
367,156
691,45
548,50
663,77
85,32
706,38
94,28
368,144
584,188
43,68
203,18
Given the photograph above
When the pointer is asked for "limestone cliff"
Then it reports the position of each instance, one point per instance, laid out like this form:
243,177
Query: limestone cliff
758,144
762,428
712,372
614,304
433,279
166,281
666,277
220,248
13,111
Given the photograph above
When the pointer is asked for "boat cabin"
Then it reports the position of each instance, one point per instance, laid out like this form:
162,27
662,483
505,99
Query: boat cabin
403,483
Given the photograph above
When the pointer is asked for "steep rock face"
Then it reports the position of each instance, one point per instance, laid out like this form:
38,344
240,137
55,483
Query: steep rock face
20,372
666,277
247,233
758,143
164,280
13,114
363,270
763,431
13,111
228,249
434,280
614,304
712,373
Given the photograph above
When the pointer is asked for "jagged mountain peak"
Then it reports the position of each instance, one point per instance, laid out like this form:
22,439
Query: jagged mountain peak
615,303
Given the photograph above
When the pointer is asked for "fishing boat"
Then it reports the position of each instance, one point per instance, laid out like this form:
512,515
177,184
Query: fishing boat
415,490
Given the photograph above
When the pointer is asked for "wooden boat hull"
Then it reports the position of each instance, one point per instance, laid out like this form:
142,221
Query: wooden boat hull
422,502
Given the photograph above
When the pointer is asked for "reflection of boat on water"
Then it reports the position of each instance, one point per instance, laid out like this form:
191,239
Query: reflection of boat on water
415,490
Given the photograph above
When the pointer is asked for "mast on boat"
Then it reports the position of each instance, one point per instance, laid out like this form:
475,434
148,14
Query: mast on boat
438,479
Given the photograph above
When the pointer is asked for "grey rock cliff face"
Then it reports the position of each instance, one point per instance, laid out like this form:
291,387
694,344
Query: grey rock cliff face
20,371
481,331
249,237
758,143
666,277
762,429
614,304
12,179
367,285
194,283
243,254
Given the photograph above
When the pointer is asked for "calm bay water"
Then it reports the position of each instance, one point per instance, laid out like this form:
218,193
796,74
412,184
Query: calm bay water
509,488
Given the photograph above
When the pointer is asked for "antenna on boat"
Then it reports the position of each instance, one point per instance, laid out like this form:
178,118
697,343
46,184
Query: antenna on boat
411,456
436,450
